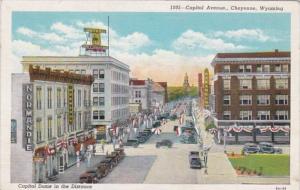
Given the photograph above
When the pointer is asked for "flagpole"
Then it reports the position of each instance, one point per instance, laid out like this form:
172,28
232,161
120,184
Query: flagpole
108,34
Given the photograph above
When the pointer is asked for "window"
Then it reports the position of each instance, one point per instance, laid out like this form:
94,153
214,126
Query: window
245,68
49,97
137,94
79,120
226,100
97,115
282,83
281,68
263,115
83,72
226,68
245,100
263,99
282,115
13,132
263,68
101,87
281,99
65,101
245,115
38,98
59,126
96,87
101,74
226,84
263,84
95,73
99,101
245,84
79,98
58,97
226,115
49,127
38,130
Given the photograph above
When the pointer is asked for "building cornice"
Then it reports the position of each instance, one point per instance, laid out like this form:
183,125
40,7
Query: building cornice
259,60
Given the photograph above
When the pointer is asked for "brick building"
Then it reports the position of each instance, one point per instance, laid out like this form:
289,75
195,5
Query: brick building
252,96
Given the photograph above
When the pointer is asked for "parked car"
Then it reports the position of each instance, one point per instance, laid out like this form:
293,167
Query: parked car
89,176
156,124
103,169
132,142
265,147
173,117
194,160
250,148
164,142
188,139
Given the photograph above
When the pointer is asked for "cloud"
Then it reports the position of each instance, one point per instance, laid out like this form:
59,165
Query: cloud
191,40
26,31
165,65
242,34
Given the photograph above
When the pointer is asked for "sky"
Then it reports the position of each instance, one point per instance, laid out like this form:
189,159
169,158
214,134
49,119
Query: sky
160,46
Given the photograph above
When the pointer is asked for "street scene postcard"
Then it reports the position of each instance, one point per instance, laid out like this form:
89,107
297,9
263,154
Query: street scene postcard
149,95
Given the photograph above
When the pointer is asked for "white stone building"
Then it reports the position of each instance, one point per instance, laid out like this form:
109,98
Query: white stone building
110,89
140,92
52,119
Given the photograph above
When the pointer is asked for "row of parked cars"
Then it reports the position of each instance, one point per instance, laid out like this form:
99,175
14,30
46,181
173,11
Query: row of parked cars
262,147
142,137
103,168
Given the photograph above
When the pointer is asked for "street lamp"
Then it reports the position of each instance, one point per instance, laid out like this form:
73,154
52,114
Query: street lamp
224,140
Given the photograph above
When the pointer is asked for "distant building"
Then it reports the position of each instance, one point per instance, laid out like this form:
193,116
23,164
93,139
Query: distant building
252,96
158,94
140,92
186,84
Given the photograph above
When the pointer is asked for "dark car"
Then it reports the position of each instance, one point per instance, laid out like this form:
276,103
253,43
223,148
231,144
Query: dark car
132,142
265,147
188,139
156,124
90,176
164,142
194,160
173,117
250,148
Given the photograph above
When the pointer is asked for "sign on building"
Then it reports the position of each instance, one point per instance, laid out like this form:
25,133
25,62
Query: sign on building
27,116
70,99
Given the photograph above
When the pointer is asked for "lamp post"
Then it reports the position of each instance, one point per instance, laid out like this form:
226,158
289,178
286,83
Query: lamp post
224,140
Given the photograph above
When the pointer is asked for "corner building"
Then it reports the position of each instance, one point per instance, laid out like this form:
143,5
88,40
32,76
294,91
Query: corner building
109,93
252,97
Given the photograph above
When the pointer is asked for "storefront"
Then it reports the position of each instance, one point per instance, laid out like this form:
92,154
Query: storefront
39,164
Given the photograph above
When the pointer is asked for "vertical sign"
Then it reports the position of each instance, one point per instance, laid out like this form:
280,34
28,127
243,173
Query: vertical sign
70,94
28,116
206,88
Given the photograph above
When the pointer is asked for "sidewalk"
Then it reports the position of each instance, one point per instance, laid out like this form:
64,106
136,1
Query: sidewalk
71,175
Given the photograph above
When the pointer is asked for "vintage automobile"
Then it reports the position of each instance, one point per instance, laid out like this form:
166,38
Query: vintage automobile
164,142
194,159
121,152
90,176
188,139
265,147
103,168
113,156
132,142
173,117
250,148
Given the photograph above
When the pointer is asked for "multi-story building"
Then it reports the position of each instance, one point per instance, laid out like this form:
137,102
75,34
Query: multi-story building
206,89
52,119
157,95
140,92
109,94
252,96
